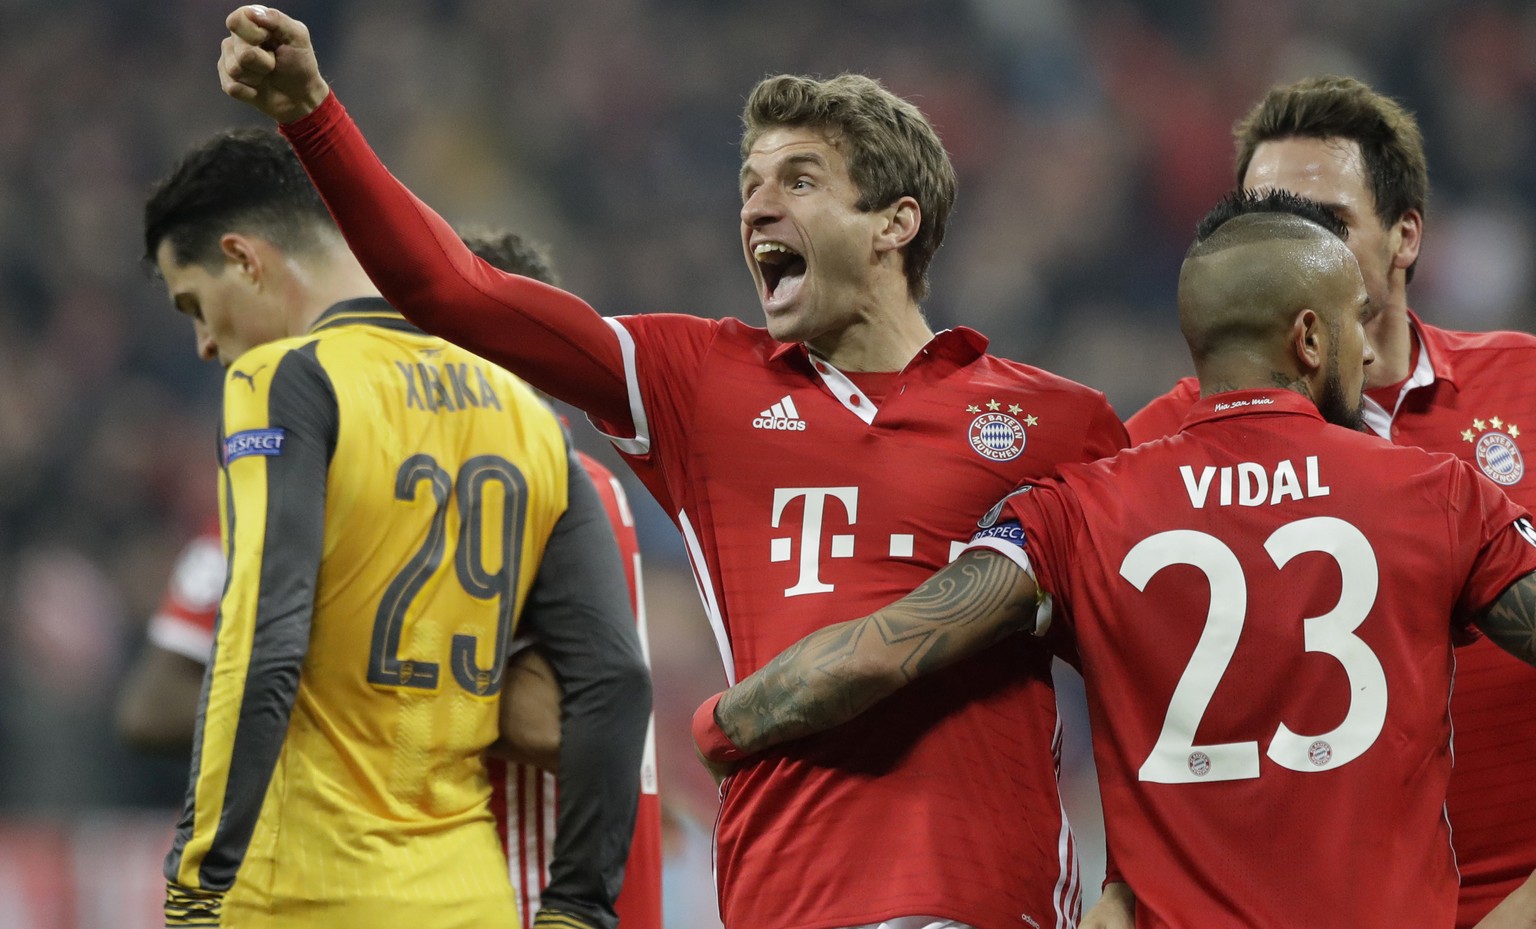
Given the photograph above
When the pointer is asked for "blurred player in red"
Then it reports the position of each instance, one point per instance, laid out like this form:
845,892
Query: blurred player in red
1265,604
1471,394
527,808
158,707
816,468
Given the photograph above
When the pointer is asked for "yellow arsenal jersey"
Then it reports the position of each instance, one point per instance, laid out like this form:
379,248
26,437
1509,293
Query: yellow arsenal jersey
386,501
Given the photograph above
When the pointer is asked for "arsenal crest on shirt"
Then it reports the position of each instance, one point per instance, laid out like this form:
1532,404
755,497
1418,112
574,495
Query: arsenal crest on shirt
1496,452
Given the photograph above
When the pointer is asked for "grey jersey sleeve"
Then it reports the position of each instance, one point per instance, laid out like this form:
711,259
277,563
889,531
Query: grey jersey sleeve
578,610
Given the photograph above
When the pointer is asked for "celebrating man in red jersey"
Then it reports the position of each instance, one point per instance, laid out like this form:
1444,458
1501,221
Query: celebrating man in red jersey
817,468
1265,605
1471,394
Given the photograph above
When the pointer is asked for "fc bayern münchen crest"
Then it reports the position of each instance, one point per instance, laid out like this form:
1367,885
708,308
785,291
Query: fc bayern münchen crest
997,436
1496,452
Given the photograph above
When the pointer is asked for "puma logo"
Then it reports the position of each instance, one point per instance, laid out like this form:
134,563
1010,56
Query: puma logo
249,378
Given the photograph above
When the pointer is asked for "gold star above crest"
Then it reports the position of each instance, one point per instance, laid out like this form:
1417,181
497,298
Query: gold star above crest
1015,409
1031,421
1479,424
1496,423
1514,431
973,408
1468,436
993,405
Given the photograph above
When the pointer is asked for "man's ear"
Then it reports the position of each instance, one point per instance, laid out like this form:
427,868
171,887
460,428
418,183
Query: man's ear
1404,238
1309,341
902,220
241,255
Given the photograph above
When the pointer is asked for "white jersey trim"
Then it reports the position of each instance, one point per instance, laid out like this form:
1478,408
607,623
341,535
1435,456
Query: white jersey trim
648,777
1376,416
845,390
1068,893
177,635
640,445
1015,554
707,594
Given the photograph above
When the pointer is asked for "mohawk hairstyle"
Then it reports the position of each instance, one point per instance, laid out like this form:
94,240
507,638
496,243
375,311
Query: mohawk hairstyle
1275,202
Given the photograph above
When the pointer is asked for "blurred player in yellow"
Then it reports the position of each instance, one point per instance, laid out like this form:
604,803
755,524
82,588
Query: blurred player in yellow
391,507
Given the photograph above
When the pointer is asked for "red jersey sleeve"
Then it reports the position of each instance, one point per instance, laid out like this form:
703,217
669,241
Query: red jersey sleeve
1499,531
1106,435
550,338
1049,518
184,622
662,355
1164,415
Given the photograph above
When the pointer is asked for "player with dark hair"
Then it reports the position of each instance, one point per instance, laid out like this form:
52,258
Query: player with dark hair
1265,604
157,710
816,468
1359,152
393,510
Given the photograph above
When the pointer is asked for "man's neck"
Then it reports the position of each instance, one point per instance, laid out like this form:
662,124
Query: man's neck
877,341
323,284
1391,335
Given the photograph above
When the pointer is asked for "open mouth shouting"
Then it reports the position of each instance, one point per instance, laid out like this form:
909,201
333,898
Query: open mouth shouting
783,271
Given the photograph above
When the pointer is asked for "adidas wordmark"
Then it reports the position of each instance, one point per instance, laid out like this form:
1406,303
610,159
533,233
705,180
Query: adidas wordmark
781,415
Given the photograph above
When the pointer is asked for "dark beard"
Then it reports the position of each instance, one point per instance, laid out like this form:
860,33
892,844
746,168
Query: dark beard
1335,408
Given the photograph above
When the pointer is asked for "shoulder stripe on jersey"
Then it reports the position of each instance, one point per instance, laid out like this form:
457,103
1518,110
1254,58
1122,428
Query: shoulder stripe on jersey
640,445
707,594
301,397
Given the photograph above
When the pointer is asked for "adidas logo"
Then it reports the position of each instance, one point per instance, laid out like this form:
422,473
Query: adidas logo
782,416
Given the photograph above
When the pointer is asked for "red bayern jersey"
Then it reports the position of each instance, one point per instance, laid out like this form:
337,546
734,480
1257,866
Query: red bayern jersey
526,808
184,622
1265,606
1165,414
1473,395
803,501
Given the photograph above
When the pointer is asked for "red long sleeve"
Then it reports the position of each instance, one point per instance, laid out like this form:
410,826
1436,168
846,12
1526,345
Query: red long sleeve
548,337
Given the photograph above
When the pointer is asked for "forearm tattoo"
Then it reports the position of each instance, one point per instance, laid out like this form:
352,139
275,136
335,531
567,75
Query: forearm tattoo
836,673
1511,621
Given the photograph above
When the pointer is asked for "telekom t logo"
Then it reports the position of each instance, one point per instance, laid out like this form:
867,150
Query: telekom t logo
782,549
817,512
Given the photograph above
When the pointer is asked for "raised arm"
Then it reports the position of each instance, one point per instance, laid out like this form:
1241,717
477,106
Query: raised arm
836,673
548,337
1511,621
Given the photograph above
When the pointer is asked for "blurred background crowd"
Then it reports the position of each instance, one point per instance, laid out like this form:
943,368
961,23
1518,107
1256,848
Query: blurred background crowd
1089,136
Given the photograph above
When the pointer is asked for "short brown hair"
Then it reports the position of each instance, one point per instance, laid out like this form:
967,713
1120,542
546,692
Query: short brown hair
892,149
1332,107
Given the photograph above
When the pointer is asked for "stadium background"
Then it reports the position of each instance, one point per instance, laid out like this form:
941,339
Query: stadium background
1089,136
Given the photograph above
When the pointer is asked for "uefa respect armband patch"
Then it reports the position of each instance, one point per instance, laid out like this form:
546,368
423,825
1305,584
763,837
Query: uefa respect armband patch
267,442
1008,531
